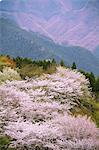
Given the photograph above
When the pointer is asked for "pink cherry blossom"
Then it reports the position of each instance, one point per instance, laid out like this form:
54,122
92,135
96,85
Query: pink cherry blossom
37,112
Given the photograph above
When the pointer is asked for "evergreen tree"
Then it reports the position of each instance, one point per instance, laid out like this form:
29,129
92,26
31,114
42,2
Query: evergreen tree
45,65
18,61
97,85
53,61
62,63
74,66
91,78
92,81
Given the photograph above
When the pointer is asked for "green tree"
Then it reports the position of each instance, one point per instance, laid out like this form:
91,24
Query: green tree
45,65
92,81
97,85
62,63
22,61
74,66
53,61
18,61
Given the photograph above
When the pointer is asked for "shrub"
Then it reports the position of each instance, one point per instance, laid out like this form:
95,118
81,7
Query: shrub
9,74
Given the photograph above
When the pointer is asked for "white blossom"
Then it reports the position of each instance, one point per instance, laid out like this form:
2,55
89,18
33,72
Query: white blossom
37,112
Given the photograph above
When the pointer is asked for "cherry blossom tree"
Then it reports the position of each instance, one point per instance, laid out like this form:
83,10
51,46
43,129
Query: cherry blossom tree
35,113
9,74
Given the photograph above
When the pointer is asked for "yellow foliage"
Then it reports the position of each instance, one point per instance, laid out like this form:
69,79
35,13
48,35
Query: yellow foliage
7,61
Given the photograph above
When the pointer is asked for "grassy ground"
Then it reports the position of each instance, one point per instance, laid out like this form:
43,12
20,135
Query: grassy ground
4,143
31,70
89,107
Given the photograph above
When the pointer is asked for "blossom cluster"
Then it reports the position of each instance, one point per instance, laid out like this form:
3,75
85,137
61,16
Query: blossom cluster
36,112
9,74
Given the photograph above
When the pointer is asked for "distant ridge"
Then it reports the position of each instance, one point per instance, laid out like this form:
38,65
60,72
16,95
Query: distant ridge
75,22
18,42
96,52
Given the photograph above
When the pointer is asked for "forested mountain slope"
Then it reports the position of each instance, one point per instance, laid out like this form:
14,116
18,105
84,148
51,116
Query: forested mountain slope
18,42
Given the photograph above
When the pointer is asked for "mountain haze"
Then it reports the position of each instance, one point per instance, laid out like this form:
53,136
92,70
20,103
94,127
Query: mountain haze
72,22
18,42
96,52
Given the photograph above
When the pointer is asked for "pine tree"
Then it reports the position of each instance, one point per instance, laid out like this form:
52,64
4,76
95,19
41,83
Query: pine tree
97,85
74,66
53,61
62,63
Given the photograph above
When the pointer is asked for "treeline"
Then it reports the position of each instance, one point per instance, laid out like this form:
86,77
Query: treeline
29,67
20,62
94,81
46,64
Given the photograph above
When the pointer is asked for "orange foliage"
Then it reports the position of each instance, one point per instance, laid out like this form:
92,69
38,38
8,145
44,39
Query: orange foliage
7,61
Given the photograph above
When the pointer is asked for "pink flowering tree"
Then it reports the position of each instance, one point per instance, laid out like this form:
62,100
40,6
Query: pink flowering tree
35,113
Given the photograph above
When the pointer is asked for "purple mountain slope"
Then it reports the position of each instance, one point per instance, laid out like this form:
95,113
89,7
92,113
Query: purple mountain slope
73,22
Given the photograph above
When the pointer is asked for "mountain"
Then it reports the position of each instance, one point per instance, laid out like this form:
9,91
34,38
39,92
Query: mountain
72,22
96,52
18,42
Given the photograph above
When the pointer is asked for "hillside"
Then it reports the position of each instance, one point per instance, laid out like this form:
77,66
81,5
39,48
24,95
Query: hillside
48,112
49,74
96,52
18,42
75,22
